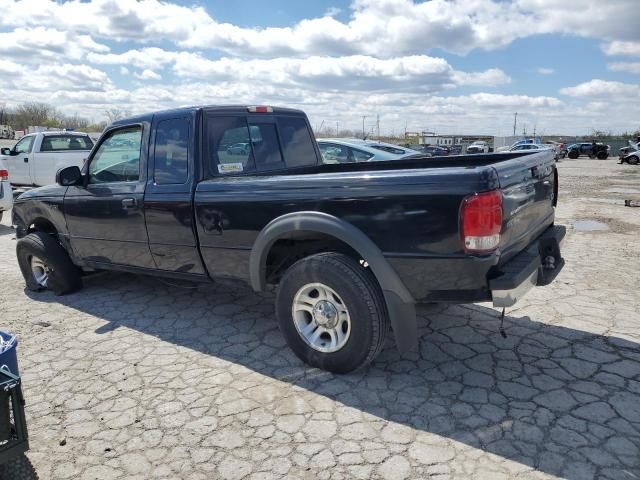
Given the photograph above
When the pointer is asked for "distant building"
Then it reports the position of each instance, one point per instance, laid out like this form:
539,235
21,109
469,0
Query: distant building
430,138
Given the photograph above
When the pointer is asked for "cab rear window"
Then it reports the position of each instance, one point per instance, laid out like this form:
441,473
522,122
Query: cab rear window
61,143
239,144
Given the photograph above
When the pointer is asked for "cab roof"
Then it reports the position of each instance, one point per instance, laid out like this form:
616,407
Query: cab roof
232,109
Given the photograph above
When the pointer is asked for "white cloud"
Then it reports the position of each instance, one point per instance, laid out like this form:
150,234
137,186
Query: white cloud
380,28
622,48
629,67
147,74
32,45
150,57
596,88
355,72
545,71
376,61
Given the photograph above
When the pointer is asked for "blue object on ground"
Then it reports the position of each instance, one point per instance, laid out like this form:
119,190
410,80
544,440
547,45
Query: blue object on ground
8,355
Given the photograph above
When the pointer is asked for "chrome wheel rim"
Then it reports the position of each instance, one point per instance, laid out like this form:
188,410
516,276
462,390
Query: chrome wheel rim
40,271
321,317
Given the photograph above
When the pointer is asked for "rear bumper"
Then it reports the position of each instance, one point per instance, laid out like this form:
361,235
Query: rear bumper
537,265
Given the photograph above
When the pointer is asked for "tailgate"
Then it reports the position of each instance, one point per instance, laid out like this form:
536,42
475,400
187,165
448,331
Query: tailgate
528,184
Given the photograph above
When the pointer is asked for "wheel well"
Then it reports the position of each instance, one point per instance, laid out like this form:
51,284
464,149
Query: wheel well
296,245
43,225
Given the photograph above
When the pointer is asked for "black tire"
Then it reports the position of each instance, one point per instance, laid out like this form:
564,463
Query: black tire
18,468
63,276
633,160
573,154
602,155
362,297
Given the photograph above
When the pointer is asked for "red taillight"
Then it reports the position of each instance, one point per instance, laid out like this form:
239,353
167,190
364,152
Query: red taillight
4,175
260,109
481,221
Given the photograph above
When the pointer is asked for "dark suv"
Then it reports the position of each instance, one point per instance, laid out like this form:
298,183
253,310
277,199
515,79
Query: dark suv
601,150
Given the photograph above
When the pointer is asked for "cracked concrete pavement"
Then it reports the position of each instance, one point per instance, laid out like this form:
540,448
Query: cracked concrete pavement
147,379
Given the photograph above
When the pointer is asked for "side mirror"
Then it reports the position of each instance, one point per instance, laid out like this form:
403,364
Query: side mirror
5,151
68,176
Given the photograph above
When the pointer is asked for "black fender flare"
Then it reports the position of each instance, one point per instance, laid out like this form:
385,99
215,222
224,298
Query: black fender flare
400,302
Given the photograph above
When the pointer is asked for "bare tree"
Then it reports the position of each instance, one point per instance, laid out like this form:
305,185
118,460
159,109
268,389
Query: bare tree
34,113
115,114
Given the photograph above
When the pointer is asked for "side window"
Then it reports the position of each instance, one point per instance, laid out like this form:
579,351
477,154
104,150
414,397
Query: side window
297,143
118,157
360,156
171,158
229,144
332,153
266,147
24,145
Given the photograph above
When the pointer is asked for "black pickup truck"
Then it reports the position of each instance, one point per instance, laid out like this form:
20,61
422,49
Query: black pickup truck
208,192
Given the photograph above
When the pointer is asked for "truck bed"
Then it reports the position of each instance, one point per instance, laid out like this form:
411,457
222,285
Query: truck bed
408,208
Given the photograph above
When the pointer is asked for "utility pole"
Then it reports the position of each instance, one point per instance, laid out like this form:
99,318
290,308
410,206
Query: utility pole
337,128
378,124
515,122
363,134
534,132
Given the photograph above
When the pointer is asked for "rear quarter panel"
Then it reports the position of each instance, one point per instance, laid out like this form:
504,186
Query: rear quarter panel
404,212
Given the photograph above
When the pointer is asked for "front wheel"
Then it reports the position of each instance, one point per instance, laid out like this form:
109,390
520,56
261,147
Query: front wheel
633,160
573,154
602,155
331,312
45,265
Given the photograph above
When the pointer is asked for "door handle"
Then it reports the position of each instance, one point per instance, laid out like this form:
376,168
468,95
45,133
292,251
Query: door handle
26,160
129,202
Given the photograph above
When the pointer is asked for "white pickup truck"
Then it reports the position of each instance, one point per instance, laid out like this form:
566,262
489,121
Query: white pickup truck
36,158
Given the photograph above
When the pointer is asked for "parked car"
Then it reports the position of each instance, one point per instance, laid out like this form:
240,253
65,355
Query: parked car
35,158
479,146
507,148
630,148
560,148
6,194
455,149
534,146
630,154
238,149
433,150
586,148
352,248
353,150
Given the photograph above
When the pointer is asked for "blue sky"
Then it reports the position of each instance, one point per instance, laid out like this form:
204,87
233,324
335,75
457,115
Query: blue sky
452,66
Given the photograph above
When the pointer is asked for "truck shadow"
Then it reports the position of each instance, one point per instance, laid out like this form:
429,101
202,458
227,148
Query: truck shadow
559,400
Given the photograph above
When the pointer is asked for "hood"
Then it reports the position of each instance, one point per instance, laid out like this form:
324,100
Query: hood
46,191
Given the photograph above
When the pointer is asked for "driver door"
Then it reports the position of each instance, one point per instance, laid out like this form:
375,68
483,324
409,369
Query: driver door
105,216
18,162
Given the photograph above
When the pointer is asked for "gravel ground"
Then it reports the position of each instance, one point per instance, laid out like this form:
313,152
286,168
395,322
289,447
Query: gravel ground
133,378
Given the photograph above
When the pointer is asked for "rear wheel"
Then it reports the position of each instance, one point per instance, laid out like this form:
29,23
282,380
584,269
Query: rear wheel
633,160
602,155
331,312
573,154
45,265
